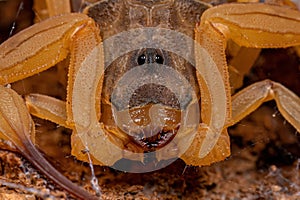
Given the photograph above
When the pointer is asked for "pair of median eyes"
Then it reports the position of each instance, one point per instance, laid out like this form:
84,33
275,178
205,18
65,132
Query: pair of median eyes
142,59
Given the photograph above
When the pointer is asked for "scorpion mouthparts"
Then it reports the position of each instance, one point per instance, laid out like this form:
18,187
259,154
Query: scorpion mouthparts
153,139
150,126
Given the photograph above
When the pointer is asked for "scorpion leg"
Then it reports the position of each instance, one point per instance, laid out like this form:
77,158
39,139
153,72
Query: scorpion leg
250,98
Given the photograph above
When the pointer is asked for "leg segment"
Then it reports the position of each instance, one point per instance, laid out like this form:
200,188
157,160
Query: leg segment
58,7
39,47
250,98
49,8
49,108
241,63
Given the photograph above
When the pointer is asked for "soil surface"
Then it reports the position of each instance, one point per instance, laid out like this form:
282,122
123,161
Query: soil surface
264,163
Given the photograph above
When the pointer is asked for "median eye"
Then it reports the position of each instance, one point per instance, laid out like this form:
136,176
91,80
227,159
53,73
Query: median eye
159,59
141,59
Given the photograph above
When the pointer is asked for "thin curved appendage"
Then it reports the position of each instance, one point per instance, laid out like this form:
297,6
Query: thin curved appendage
17,126
250,98
249,25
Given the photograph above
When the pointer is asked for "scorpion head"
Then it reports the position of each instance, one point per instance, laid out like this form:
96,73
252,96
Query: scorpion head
144,94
